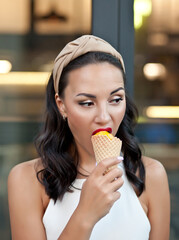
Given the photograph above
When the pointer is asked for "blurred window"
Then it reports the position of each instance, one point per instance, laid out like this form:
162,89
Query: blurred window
156,68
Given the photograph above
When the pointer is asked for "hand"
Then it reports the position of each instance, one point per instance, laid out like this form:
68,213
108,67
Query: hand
100,191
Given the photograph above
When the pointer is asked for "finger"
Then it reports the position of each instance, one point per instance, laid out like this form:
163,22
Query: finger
116,196
113,174
116,184
107,163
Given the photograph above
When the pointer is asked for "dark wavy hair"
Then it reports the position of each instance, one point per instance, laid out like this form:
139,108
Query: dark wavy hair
55,141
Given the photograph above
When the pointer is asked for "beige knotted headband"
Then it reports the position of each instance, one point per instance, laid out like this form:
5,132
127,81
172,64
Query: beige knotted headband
78,47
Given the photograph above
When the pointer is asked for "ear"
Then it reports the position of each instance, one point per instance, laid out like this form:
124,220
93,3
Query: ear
60,105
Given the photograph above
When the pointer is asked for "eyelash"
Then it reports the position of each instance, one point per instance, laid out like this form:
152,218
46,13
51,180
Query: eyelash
116,100
86,104
90,103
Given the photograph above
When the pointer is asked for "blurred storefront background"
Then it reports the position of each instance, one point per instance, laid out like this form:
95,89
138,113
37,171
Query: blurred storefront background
32,32
157,88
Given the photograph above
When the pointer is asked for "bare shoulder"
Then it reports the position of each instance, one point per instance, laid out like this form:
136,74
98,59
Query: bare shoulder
158,198
23,182
25,172
151,163
25,197
156,177
154,168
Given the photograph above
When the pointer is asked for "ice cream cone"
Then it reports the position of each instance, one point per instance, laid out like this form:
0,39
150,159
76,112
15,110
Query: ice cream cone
104,147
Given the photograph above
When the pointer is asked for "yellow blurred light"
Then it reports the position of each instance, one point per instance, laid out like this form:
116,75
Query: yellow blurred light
5,66
153,71
162,111
142,8
24,78
138,21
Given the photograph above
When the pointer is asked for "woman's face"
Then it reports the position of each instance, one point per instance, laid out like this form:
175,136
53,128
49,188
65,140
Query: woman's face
93,99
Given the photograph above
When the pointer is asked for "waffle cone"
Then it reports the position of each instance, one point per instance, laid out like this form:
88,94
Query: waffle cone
105,148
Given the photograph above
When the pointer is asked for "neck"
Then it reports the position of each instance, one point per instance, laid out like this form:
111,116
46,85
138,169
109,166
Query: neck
87,161
86,167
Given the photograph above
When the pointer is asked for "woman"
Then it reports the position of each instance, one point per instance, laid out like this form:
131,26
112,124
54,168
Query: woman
64,194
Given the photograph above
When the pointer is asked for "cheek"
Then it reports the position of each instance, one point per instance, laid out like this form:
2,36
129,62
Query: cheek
119,115
122,110
77,121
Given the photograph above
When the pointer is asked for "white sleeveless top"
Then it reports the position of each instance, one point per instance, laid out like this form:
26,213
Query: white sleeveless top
125,221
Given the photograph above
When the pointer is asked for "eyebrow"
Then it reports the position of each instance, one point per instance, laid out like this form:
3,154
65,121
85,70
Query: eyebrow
93,96
86,95
120,88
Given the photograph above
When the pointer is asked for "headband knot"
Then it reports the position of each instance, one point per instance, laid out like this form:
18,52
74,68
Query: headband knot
78,47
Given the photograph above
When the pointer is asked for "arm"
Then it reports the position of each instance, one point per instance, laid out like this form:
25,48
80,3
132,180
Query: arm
158,200
98,194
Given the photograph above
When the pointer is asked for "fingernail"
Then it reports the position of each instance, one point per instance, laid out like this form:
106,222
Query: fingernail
120,158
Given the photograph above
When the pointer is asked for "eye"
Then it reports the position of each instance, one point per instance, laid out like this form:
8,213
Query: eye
86,103
116,100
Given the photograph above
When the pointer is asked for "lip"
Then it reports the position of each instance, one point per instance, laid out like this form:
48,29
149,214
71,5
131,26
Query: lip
102,129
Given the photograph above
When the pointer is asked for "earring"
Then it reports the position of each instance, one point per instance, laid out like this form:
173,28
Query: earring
64,118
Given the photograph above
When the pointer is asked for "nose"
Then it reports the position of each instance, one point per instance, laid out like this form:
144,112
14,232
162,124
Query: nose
102,115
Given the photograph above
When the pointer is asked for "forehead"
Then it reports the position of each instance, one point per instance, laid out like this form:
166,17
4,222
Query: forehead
95,77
